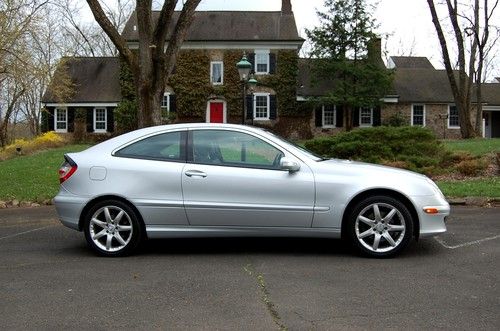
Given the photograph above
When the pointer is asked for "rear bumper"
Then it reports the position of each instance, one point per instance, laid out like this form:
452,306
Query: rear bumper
69,208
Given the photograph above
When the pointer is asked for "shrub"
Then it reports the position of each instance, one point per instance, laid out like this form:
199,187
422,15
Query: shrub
471,167
396,119
413,148
47,140
126,116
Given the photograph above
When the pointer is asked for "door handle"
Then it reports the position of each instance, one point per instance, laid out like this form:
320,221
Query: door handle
195,173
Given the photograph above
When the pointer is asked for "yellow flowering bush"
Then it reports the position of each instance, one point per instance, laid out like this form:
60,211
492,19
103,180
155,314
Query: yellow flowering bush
29,146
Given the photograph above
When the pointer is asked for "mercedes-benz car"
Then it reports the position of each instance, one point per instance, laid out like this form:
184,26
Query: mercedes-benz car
206,180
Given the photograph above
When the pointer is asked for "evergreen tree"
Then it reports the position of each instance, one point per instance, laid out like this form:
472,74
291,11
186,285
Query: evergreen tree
344,52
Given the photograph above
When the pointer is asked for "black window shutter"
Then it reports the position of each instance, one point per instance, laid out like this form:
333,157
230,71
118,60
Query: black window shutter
251,59
50,119
318,116
173,103
71,119
272,63
111,119
376,116
355,117
249,107
339,120
90,120
273,111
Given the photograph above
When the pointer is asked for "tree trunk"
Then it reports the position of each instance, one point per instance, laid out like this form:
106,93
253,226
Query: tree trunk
461,89
156,58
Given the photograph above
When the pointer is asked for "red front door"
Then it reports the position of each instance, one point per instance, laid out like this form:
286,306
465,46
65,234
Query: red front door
216,112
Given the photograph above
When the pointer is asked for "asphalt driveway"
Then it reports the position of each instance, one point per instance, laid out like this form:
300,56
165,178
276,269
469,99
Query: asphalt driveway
51,280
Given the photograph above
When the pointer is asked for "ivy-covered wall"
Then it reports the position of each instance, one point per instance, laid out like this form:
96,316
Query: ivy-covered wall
191,84
126,112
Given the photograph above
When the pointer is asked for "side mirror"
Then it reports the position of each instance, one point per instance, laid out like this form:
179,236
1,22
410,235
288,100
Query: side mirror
289,164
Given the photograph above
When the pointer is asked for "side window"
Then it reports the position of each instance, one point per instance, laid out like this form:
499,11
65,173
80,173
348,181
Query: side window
166,147
229,148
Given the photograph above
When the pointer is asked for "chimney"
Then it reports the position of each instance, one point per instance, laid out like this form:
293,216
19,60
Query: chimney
375,49
286,7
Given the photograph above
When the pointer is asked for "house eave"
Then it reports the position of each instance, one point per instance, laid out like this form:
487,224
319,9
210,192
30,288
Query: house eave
234,44
80,104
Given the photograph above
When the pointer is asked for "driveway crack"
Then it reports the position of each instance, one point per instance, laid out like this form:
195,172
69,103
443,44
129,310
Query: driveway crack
265,296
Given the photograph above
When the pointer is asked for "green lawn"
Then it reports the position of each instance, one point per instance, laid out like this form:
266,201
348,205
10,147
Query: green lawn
489,187
33,177
474,146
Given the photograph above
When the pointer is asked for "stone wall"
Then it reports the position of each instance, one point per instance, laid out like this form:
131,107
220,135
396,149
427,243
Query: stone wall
435,118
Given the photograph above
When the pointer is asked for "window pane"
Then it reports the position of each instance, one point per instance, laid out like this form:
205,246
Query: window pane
216,73
453,116
230,148
365,116
418,115
61,116
165,101
262,62
261,106
328,115
166,146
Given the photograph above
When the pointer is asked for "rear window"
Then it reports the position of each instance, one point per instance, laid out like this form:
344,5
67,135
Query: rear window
165,147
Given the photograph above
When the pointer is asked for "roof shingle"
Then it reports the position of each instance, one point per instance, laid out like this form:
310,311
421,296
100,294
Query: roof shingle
229,26
95,79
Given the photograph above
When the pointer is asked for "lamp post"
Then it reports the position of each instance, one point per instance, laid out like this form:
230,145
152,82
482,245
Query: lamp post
244,69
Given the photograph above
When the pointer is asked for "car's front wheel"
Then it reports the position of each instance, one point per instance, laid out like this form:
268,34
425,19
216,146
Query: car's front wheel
112,228
380,226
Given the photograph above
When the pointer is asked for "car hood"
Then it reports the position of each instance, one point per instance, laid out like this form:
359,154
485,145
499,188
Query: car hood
362,176
363,168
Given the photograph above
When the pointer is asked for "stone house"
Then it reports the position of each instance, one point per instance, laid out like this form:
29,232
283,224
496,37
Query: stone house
421,96
205,85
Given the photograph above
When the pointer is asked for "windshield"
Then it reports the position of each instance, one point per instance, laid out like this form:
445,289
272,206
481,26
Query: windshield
308,153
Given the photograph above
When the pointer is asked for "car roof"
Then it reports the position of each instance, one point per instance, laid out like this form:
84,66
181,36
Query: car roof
113,143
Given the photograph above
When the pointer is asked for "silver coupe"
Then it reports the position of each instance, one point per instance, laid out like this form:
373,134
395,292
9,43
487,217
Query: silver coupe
206,180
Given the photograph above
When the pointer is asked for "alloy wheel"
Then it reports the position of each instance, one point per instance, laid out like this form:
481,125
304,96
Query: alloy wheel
380,227
111,228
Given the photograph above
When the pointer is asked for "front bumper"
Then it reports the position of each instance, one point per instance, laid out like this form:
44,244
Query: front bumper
431,224
69,208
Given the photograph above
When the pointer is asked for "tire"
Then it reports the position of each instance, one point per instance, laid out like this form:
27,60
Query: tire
380,234
112,228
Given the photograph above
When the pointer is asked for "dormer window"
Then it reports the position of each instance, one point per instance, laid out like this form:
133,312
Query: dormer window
262,62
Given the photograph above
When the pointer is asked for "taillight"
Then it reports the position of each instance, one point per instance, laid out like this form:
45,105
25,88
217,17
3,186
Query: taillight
67,169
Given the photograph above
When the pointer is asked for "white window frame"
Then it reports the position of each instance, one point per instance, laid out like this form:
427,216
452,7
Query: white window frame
268,96
327,126
449,117
212,72
423,109
265,52
96,130
167,107
56,110
363,125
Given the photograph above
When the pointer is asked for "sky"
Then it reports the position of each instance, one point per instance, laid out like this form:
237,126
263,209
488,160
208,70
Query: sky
405,25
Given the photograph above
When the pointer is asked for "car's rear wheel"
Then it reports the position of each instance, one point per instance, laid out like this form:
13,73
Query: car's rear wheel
380,226
112,228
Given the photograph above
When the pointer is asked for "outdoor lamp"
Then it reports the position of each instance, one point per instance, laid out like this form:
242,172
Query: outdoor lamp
244,67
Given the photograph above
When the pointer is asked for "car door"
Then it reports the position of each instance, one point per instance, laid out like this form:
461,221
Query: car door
148,173
233,178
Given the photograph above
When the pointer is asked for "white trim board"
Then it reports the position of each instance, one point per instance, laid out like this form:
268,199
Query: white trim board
88,104
233,45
